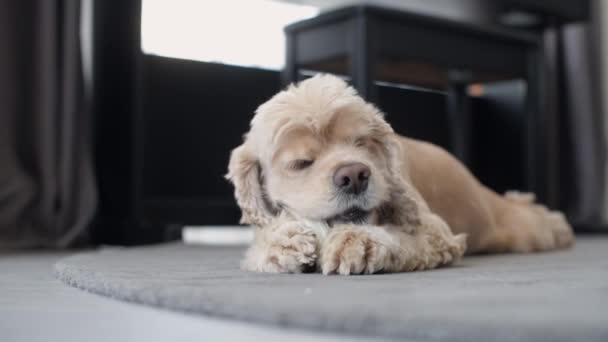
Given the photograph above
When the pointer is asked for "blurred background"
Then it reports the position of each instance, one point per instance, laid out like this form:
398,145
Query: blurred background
117,117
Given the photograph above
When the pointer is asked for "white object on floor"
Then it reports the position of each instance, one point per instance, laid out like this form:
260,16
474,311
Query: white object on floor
236,235
217,235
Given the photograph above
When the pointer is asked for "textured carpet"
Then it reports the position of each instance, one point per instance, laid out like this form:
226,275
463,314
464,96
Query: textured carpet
558,296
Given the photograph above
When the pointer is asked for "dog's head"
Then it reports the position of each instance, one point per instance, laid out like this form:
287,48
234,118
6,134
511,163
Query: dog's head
318,151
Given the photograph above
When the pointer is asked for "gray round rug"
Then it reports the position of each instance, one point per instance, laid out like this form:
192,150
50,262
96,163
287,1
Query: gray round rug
546,297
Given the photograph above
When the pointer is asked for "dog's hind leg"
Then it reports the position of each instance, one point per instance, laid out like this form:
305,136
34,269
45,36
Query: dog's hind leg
521,225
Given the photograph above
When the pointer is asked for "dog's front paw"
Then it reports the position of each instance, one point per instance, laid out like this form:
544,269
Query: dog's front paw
290,248
356,250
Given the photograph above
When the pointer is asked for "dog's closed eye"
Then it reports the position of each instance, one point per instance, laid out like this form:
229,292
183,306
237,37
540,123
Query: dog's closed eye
360,142
301,164
367,142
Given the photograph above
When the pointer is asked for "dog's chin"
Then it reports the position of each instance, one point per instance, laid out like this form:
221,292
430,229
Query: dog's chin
354,215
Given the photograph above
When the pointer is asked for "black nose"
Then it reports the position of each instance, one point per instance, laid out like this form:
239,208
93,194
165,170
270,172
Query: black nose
352,178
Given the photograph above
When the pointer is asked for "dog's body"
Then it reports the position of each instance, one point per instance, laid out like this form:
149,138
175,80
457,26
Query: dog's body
328,183
493,223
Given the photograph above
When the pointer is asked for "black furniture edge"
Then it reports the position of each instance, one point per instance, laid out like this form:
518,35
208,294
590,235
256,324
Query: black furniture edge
416,18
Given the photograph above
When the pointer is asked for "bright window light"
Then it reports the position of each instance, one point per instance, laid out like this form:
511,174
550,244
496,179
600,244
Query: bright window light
237,32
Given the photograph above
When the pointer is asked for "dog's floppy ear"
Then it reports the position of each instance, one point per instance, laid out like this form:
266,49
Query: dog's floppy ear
244,171
404,205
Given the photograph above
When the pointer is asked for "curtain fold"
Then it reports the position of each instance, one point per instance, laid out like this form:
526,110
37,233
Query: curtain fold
47,193
582,119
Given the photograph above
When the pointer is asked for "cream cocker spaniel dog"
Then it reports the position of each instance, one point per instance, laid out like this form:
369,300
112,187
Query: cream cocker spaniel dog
330,186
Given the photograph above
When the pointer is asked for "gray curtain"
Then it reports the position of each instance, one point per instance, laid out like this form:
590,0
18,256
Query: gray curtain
47,192
581,134
583,118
